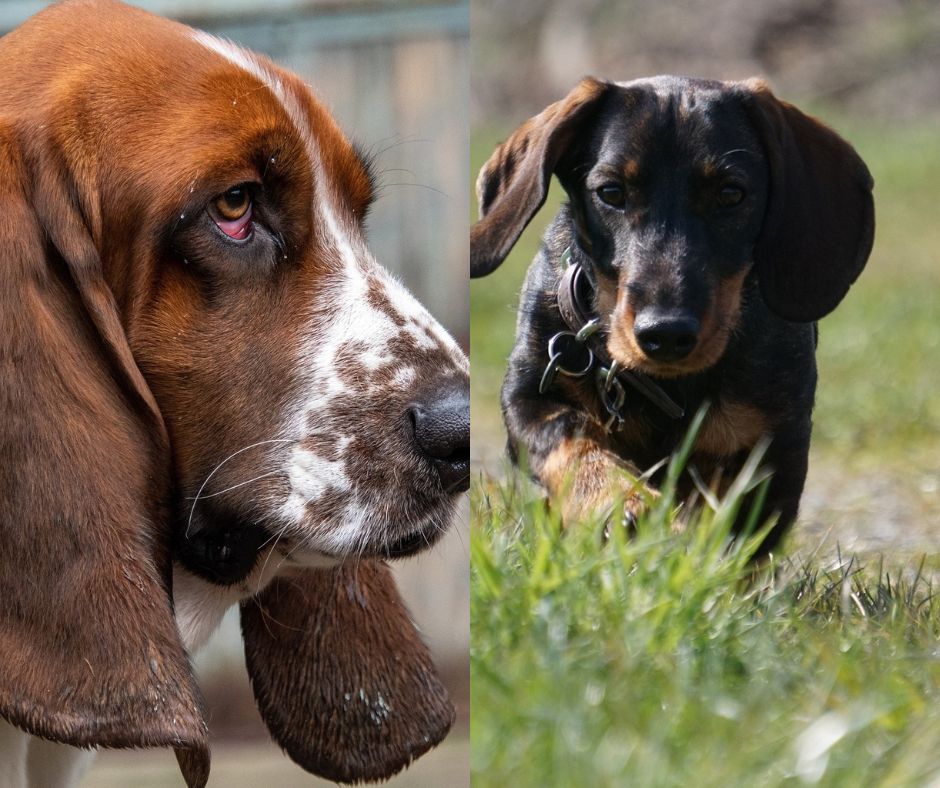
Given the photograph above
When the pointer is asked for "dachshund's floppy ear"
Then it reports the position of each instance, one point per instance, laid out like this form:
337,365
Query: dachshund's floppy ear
514,182
89,648
340,674
820,221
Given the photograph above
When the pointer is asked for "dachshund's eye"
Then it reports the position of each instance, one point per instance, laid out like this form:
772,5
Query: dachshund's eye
231,211
730,194
612,194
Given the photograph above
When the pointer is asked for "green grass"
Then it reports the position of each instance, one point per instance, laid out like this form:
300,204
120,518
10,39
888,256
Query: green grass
666,659
879,377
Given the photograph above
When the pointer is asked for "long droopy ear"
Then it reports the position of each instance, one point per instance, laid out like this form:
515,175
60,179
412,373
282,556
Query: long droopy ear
820,221
341,675
89,649
513,184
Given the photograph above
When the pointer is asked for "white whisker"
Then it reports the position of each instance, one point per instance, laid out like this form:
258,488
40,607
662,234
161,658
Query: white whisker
236,486
266,559
195,500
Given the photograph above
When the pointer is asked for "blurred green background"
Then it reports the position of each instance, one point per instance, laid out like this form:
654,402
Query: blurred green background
870,69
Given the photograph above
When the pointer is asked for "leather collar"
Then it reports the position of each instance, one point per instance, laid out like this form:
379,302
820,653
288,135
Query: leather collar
576,305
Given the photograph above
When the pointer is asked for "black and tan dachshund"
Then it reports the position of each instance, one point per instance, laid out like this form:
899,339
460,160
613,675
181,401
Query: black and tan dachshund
708,226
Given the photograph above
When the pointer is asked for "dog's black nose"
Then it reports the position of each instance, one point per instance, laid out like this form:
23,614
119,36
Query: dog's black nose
441,423
666,337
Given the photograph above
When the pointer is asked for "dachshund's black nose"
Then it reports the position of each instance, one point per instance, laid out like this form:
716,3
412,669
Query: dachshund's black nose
666,337
441,423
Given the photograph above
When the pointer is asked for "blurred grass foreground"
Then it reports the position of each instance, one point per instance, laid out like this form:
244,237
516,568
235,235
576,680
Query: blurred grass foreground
670,659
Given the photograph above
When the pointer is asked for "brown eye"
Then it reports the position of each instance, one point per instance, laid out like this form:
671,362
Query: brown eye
612,194
730,194
233,204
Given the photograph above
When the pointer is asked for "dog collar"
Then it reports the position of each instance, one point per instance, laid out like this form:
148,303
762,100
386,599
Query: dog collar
582,349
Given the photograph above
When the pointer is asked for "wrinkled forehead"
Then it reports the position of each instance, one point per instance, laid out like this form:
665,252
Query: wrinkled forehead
246,89
674,118
216,114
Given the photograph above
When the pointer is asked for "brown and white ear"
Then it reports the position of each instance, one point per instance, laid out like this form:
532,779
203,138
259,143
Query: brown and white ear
513,184
89,647
341,676
820,221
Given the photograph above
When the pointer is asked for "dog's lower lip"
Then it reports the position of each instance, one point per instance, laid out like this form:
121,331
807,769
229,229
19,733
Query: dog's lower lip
663,370
463,484
408,545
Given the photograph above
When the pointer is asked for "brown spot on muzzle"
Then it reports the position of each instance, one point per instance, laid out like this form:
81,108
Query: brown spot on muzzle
621,343
720,319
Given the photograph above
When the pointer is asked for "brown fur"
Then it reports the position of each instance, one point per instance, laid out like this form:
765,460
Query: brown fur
589,479
134,357
731,427
341,616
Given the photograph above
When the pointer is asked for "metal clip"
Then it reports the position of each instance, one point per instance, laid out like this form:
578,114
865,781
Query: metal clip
612,396
548,376
588,330
567,355
611,376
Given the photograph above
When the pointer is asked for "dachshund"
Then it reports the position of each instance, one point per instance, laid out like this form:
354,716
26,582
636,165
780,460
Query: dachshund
708,226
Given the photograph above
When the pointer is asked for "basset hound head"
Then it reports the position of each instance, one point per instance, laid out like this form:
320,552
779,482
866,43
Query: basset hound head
201,362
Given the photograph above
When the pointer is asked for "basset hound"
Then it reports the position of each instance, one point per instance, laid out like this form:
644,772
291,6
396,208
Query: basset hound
709,225
211,395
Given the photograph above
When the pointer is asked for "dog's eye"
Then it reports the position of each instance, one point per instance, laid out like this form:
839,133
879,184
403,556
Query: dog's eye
233,204
612,194
730,194
231,211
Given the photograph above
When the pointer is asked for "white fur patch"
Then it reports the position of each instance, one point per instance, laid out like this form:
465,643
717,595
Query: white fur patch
343,325
30,761
200,606
404,377
310,476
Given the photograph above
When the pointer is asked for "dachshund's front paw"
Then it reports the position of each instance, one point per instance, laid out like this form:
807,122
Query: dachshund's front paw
591,482
624,516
